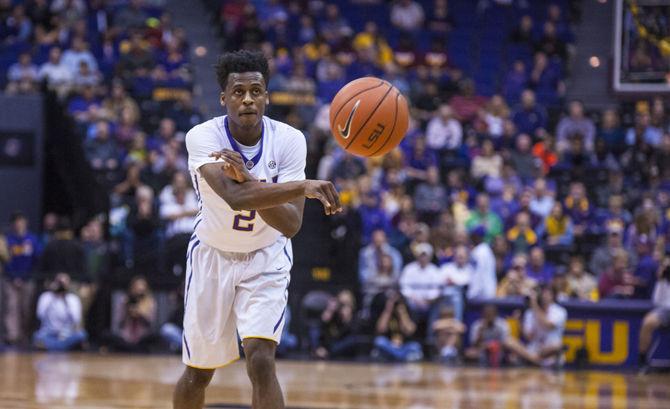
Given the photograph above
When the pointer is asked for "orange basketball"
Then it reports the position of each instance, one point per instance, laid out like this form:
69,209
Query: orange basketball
368,117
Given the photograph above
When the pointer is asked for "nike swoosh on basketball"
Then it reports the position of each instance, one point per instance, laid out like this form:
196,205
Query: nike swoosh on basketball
344,132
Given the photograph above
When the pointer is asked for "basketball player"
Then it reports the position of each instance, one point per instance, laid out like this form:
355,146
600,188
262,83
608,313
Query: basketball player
249,174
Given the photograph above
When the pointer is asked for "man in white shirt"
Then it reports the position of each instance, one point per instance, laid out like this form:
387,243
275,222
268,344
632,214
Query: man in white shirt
57,74
542,200
458,272
59,312
455,276
420,281
407,15
444,132
178,210
543,327
178,206
78,53
483,280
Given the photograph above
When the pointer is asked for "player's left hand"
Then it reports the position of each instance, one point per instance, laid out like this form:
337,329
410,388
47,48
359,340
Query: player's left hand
233,165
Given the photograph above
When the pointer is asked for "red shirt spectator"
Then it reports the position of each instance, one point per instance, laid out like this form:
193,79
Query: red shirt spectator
617,282
467,106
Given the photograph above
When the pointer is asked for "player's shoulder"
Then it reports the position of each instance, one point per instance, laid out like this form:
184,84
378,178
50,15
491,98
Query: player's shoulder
282,131
208,128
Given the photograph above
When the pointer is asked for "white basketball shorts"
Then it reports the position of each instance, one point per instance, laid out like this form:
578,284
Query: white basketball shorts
230,294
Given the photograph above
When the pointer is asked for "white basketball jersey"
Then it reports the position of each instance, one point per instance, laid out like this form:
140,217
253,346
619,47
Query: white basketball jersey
280,158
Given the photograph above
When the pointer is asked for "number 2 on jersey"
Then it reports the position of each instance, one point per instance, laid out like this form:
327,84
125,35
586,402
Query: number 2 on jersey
244,220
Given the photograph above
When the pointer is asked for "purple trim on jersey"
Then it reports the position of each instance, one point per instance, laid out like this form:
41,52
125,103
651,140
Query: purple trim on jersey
188,350
197,223
287,256
279,322
233,143
197,192
189,260
275,178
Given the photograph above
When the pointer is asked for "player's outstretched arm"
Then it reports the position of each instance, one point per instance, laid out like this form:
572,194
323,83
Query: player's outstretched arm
254,195
286,218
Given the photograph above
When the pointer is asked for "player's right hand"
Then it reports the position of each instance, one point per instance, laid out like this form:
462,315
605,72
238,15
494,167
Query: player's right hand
326,193
233,165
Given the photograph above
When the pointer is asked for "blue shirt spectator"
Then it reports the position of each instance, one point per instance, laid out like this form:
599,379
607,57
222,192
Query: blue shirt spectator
372,216
515,82
643,130
610,131
24,249
538,268
545,78
370,257
529,117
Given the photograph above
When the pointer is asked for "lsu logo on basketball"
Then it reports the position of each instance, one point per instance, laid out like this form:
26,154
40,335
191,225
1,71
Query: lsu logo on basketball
376,133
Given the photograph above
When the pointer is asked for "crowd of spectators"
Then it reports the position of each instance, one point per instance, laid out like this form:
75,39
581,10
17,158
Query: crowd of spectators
121,71
505,191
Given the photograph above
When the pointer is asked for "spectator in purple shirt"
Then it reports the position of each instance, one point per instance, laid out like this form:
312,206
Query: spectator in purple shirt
550,43
372,215
515,82
85,107
555,15
538,268
330,78
167,131
578,207
546,79
430,197
530,117
645,268
611,132
575,123
419,160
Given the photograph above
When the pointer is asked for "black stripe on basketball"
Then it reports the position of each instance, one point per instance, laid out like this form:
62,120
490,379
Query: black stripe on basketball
395,119
354,96
360,128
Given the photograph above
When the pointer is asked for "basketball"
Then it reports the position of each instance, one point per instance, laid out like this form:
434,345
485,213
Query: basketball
369,117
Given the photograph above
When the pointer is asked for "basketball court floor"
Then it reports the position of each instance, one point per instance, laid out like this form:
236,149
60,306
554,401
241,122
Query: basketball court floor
59,381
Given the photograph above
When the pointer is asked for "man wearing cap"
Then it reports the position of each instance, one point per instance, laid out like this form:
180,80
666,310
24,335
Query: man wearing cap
420,282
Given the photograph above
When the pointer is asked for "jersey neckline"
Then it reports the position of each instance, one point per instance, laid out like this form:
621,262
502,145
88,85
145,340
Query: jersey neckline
249,163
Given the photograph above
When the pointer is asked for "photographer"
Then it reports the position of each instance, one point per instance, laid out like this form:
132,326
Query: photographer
59,312
394,329
659,317
133,323
338,327
543,326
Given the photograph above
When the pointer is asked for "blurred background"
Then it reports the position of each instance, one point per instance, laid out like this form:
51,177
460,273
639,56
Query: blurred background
534,178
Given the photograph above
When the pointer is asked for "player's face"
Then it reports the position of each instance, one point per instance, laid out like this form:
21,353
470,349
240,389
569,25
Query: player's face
245,98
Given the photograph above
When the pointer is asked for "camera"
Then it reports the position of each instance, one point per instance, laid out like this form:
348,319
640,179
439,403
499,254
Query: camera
665,275
59,287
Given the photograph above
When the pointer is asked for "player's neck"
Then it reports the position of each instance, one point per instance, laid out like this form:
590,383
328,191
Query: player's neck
246,136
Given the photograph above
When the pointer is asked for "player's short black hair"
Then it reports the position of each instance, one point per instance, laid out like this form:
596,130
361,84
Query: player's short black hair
241,61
